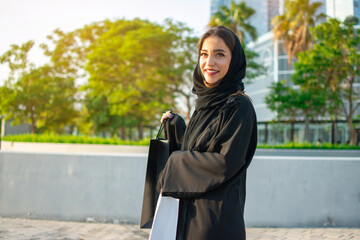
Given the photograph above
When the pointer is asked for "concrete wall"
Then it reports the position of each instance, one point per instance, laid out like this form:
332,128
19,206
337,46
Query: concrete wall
303,193
72,186
71,148
281,192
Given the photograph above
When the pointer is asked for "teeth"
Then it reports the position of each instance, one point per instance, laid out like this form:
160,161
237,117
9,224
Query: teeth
211,71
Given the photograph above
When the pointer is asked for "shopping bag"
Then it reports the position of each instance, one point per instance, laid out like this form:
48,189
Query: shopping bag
158,155
165,221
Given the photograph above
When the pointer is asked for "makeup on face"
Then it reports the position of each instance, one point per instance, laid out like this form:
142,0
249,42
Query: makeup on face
214,59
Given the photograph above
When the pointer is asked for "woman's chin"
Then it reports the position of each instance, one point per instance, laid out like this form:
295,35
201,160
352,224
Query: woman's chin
212,81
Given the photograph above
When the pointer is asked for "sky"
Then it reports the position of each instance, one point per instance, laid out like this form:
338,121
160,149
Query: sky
24,20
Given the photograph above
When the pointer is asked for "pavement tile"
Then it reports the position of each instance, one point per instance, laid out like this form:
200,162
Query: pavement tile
26,229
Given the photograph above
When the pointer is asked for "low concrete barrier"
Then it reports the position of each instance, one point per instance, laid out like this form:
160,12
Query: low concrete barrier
303,192
75,187
70,148
282,191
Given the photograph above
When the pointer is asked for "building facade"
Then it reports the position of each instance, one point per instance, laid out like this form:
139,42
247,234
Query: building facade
216,4
272,56
342,8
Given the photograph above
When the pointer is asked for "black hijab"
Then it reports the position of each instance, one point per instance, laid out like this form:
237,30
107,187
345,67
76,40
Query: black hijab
210,99
231,83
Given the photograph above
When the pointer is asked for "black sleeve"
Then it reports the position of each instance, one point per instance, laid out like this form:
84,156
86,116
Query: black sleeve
174,132
192,173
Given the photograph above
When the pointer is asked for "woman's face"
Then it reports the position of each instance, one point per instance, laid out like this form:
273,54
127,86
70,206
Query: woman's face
215,57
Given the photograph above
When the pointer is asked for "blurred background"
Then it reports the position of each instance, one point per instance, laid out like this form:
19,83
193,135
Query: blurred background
110,68
101,73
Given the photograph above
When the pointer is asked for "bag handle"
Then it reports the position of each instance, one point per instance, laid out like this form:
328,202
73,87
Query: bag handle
160,130
161,127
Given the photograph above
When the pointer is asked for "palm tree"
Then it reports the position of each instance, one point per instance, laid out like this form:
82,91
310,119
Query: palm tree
294,25
236,18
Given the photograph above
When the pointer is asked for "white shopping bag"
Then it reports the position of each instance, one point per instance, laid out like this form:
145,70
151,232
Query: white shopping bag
165,219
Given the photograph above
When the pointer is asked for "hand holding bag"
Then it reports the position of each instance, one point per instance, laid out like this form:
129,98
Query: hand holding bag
158,155
159,152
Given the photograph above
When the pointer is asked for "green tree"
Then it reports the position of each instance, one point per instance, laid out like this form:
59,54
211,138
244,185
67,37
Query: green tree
73,52
127,65
183,57
293,27
293,103
236,18
333,65
69,52
36,95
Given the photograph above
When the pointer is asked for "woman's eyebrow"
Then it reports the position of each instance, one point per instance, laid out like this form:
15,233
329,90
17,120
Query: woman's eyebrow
219,50
216,50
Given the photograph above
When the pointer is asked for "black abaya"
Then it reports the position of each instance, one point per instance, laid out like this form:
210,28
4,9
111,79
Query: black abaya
208,174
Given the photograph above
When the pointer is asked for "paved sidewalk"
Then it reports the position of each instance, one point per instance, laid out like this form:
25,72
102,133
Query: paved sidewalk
25,229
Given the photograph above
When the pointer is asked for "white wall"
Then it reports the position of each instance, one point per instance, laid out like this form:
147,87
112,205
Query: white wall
282,191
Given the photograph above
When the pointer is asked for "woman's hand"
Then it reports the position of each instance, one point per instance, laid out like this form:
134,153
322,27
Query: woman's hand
166,115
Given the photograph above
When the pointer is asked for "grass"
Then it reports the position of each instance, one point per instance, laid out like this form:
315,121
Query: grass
293,145
48,138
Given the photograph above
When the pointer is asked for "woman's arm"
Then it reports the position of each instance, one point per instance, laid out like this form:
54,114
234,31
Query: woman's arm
192,173
174,131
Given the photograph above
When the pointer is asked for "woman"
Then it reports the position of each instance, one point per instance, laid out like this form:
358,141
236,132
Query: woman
208,174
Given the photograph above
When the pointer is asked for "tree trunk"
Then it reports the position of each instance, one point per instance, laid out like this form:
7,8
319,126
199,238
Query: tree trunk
141,131
349,117
307,130
352,130
266,131
334,136
292,130
123,132
151,132
130,134
32,126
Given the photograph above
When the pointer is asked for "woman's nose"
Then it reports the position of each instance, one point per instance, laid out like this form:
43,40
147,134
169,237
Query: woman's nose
211,60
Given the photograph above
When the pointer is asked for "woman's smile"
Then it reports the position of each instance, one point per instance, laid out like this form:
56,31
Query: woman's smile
211,72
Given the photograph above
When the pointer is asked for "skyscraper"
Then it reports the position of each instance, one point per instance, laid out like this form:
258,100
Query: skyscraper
266,10
342,8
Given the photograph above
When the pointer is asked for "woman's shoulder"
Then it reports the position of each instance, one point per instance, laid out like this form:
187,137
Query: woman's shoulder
239,102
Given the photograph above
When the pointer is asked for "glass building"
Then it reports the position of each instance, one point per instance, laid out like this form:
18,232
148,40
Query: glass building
342,8
265,11
271,54
216,4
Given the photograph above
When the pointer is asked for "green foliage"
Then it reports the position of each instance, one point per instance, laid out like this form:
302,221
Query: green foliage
293,145
324,78
127,68
122,73
282,100
293,27
332,68
237,19
48,138
292,103
36,95
184,56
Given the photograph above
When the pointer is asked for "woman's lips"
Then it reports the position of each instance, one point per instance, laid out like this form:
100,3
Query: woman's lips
211,72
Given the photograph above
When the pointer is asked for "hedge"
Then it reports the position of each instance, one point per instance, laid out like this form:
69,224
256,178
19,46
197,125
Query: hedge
48,138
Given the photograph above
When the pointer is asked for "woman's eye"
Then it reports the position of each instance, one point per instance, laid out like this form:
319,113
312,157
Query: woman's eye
203,54
220,55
